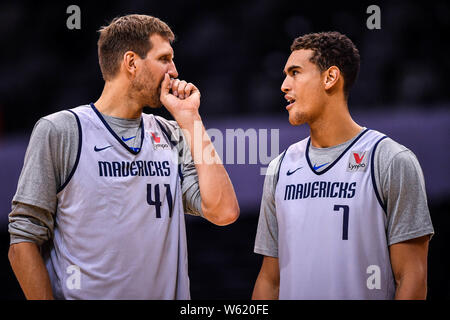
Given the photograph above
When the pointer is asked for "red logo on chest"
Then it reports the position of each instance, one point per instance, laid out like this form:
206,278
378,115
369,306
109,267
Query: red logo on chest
358,158
157,139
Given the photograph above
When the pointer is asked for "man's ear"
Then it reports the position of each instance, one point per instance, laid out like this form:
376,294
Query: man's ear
332,76
129,62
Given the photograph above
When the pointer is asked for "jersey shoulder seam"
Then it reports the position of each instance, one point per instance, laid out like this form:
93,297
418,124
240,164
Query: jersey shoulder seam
391,161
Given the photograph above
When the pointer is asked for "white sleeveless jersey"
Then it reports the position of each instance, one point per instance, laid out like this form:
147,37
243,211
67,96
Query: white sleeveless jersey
332,226
120,231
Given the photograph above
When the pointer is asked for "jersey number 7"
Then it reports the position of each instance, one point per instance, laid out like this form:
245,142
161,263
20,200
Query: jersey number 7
346,211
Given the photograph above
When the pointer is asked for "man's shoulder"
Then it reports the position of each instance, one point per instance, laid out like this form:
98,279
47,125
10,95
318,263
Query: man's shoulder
61,121
294,151
388,149
172,124
394,155
171,127
275,162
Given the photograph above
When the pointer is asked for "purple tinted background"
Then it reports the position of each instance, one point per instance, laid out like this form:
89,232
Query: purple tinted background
425,133
234,51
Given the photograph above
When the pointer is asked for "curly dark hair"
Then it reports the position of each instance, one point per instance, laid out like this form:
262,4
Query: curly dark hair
332,49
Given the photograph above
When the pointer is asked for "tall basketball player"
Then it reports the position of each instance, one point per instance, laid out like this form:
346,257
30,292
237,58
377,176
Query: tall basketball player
99,209
344,212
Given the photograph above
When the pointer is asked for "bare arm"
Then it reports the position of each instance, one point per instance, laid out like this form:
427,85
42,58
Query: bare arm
218,199
28,266
409,264
268,282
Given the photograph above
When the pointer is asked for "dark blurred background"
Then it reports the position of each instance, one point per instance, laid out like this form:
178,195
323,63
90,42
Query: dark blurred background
234,51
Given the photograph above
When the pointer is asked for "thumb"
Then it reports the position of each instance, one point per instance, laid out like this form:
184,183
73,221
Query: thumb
165,85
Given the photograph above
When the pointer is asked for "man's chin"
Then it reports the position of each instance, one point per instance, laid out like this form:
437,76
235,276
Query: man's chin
297,118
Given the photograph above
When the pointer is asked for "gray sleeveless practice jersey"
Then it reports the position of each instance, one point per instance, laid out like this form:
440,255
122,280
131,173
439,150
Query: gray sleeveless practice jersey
332,226
120,231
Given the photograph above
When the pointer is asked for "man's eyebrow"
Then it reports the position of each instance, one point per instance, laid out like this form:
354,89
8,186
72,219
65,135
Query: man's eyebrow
291,68
168,54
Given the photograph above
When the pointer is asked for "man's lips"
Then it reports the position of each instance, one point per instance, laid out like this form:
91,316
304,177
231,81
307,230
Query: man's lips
290,100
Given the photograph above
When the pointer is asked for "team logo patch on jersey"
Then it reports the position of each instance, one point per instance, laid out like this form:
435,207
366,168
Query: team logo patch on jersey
157,143
155,138
358,161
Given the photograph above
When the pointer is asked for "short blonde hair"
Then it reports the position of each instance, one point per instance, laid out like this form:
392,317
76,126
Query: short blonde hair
127,33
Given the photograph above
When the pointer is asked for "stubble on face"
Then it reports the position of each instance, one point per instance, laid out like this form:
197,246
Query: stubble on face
297,118
304,86
147,88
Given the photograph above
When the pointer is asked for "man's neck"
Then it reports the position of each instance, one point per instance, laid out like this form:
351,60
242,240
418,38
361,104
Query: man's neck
115,101
335,126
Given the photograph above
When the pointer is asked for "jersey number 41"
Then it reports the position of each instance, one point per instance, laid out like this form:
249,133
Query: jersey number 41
157,200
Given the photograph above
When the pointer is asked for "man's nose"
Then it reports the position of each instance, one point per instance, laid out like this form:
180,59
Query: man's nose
173,73
285,86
